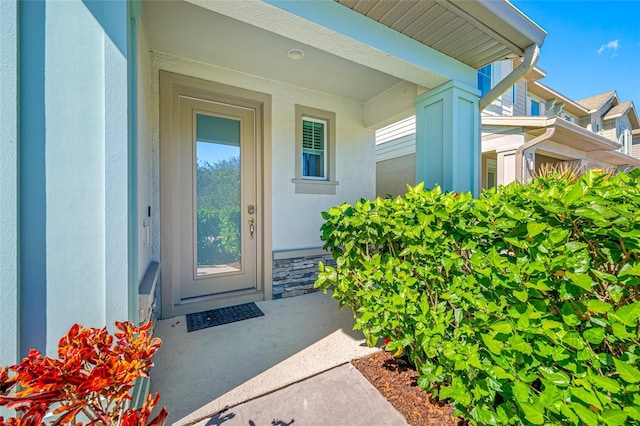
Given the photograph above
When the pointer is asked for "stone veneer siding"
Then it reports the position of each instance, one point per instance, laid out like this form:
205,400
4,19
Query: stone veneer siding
295,276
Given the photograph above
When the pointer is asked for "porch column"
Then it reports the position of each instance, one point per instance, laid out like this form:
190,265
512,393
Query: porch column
529,164
506,167
9,294
73,182
448,138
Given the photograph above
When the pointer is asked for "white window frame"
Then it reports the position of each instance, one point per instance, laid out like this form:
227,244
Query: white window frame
541,106
567,117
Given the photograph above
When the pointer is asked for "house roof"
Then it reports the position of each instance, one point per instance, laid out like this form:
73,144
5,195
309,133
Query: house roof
545,92
473,32
624,108
617,111
594,103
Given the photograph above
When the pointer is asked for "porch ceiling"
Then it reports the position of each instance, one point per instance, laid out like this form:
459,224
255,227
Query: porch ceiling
472,32
187,30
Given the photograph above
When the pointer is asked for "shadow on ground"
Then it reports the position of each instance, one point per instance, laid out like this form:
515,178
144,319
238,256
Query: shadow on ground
296,338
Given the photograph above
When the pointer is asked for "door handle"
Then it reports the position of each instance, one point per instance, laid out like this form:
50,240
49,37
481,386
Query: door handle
252,228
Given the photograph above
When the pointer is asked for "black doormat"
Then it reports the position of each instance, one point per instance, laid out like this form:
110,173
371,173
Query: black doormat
221,316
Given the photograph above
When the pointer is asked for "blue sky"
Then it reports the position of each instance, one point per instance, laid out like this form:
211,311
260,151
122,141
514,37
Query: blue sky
591,47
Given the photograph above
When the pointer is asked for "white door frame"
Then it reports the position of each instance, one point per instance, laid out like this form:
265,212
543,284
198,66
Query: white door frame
172,86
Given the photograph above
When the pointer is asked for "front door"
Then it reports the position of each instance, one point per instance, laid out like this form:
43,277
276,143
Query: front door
216,151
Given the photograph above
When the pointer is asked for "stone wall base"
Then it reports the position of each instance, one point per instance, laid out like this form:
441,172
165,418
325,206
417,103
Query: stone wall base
296,276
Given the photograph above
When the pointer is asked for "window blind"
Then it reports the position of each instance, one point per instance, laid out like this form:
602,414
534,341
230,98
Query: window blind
312,135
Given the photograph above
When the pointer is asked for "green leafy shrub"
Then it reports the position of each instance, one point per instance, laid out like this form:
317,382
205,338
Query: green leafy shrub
521,307
218,235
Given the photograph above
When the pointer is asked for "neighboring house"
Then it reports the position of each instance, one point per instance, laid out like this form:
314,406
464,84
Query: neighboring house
207,137
538,126
528,126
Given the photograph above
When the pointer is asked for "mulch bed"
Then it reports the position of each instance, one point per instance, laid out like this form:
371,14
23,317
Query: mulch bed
397,382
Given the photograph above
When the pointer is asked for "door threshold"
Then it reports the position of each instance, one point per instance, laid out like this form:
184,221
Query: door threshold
204,303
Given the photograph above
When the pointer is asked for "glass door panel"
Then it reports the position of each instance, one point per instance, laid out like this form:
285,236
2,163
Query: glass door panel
218,195
216,199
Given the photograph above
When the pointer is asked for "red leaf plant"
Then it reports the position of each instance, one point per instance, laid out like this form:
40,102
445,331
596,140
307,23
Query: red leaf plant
90,380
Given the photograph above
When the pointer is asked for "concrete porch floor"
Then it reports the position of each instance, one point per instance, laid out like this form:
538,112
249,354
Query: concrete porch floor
200,373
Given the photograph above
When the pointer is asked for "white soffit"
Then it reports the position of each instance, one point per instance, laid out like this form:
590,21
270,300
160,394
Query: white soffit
616,158
472,32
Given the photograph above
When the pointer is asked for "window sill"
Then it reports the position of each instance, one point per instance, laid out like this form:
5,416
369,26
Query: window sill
310,186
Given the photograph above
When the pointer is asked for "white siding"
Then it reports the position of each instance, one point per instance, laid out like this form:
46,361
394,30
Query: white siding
635,148
596,117
396,130
404,145
496,139
520,108
623,127
573,119
586,123
609,130
622,123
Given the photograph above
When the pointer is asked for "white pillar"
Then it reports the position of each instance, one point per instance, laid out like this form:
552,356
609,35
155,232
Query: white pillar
506,167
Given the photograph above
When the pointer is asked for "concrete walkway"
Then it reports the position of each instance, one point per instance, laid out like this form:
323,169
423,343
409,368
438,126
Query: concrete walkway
200,373
340,396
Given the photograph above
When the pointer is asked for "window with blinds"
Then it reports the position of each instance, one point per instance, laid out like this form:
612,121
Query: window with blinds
314,136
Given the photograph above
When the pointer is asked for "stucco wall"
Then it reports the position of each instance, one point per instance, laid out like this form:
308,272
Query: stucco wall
74,195
393,175
9,184
296,217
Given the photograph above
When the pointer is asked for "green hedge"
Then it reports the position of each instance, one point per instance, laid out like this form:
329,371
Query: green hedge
521,307
218,235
